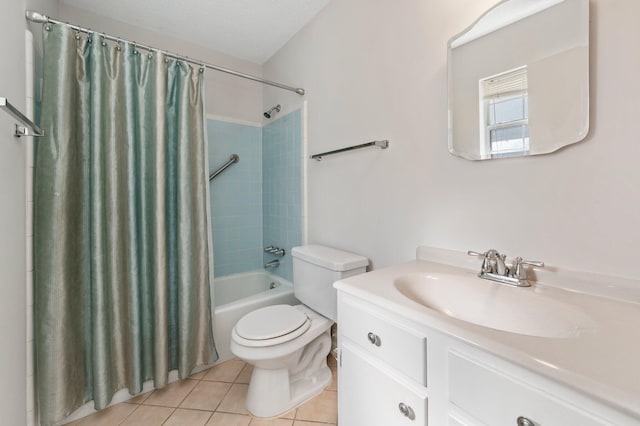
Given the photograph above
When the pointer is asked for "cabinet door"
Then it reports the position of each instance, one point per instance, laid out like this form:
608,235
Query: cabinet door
370,395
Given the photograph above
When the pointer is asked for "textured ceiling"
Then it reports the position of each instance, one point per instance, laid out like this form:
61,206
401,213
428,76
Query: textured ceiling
248,29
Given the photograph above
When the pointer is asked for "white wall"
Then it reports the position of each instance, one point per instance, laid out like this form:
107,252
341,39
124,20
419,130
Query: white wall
12,220
226,96
376,69
13,212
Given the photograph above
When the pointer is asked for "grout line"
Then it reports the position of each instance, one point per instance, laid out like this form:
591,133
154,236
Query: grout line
128,415
222,399
167,419
165,406
210,416
192,409
188,393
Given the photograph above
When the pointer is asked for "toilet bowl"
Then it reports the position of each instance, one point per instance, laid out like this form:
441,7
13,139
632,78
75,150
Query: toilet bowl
289,367
288,345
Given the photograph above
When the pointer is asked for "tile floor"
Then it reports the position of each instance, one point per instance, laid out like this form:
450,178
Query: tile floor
214,397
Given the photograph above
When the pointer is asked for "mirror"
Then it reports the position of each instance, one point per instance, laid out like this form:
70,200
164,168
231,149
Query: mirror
519,80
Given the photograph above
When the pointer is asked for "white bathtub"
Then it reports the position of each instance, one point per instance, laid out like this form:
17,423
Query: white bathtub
237,295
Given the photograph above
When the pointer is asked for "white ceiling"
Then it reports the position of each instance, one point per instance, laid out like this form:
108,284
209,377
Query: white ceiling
248,29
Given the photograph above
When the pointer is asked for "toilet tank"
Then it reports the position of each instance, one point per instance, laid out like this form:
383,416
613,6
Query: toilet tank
316,268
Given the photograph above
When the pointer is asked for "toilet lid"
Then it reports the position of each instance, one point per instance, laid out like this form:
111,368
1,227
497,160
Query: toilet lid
272,322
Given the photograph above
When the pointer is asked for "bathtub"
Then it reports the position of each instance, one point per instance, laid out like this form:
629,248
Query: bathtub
237,295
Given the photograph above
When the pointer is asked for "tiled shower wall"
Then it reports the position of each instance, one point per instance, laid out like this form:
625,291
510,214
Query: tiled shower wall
256,202
236,197
282,188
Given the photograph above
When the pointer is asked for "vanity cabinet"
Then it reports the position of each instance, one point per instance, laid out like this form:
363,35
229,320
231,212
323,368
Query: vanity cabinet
393,371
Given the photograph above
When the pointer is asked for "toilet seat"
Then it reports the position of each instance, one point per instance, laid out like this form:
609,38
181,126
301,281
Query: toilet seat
271,325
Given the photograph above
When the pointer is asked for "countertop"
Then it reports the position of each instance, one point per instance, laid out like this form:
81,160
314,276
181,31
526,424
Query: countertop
603,361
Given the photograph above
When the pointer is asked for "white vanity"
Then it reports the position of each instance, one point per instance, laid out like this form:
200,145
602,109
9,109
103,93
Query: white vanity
428,343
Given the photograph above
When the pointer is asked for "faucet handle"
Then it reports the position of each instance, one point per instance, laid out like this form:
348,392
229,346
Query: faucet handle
490,261
488,253
537,263
519,271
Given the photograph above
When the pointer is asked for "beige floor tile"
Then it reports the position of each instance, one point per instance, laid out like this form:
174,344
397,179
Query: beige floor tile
333,366
199,376
291,414
306,423
225,372
182,417
140,398
146,415
236,400
172,394
322,408
245,374
271,422
334,381
206,396
333,386
107,417
226,419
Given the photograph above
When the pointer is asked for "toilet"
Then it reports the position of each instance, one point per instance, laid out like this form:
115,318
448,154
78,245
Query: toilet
288,345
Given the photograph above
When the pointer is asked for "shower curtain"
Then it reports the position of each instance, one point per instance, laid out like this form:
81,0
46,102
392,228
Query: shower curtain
121,246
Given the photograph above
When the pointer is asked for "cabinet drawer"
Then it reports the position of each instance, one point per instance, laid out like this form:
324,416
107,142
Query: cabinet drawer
390,342
371,395
494,398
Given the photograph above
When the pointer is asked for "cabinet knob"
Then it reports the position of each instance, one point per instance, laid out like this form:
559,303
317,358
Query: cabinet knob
523,421
407,411
374,339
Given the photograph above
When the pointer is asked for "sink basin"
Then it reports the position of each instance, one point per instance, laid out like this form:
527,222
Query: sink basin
517,310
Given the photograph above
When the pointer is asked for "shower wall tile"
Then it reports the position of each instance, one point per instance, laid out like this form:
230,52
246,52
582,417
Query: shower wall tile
282,188
236,197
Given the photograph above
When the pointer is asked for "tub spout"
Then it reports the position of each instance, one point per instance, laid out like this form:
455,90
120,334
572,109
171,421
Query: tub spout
272,264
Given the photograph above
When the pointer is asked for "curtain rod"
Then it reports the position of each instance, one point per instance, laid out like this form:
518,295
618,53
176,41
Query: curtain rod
37,17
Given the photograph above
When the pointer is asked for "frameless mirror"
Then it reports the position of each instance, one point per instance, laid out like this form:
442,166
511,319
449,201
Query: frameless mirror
519,80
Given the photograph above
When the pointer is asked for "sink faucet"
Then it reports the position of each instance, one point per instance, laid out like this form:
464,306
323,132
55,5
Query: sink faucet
494,268
493,262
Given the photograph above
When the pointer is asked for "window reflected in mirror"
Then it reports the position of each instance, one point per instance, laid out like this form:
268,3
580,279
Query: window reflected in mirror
504,112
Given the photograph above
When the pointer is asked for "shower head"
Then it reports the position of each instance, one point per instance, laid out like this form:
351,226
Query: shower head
270,113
